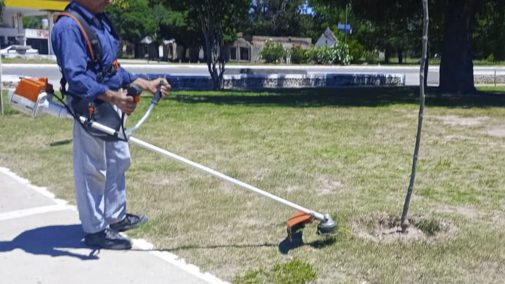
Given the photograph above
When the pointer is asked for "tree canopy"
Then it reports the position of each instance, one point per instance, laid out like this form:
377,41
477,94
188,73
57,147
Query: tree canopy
219,23
133,19
460,30
279,18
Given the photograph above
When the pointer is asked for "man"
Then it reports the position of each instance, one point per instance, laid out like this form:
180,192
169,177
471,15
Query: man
99,165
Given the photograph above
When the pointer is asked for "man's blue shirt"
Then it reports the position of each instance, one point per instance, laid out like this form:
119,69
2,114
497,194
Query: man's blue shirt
73,57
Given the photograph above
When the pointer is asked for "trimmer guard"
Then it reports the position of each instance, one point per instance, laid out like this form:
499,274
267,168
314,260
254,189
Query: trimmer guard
297,222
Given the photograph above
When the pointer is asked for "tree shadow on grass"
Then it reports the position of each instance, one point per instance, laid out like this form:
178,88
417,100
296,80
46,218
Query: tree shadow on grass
54,241
344,97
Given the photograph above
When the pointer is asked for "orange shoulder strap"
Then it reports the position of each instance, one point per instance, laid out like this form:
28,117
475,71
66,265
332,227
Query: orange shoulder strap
84,31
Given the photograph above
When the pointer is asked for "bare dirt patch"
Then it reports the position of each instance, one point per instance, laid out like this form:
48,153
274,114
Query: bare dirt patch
328,185
496,131
461,121
465,211
384,228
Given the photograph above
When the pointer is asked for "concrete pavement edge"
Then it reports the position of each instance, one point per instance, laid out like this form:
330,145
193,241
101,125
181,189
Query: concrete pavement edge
140,244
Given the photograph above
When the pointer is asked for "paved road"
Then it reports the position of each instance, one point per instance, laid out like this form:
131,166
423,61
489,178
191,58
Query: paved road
412,72
40,242
52,72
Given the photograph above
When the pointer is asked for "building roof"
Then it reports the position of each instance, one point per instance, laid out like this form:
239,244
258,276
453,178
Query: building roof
326,39
48,5
282,39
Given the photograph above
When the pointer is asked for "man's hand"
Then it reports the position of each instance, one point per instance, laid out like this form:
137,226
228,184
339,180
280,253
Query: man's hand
152,86
120,99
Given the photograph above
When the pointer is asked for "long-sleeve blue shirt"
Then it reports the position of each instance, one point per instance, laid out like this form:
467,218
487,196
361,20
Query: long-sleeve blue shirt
73,57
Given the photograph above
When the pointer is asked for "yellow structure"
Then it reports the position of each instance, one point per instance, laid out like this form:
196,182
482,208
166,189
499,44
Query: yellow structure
47,5
11,22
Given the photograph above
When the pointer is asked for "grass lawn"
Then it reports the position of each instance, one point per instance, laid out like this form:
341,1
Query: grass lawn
347,152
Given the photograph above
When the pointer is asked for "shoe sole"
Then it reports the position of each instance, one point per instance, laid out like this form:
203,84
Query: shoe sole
113,247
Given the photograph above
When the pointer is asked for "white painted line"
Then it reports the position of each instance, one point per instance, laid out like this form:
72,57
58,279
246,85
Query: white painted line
41,190
177,262
137,243
34,211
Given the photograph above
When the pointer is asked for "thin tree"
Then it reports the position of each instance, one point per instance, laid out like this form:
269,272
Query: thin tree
422,82
219,22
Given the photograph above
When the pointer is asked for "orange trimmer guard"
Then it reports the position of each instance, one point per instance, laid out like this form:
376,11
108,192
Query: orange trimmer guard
298,221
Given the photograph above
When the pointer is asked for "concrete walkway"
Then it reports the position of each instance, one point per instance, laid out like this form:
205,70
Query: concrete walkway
41,242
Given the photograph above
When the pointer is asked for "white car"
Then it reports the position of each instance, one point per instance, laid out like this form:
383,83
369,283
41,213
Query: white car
18,50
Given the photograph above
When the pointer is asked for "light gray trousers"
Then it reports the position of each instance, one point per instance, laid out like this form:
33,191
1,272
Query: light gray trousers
99,177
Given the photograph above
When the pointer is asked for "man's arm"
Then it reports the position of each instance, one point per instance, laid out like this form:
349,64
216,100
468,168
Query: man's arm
120,98
71,52
152,86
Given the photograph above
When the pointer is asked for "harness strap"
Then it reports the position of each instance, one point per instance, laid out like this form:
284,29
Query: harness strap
94,47
89,35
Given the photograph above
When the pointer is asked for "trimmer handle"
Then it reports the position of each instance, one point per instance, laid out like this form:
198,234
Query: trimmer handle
157,95
134,91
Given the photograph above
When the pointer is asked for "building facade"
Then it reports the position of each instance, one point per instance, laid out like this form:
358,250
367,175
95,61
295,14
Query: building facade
248,48
12,31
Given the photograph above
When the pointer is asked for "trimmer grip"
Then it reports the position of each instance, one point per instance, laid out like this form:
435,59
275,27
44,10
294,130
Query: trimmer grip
134,91
157,96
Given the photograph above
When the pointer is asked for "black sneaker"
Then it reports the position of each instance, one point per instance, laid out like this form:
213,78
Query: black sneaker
107,239
131,221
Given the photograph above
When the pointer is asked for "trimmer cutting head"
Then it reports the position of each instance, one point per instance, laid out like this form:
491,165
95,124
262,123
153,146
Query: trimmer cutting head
297,222
326,226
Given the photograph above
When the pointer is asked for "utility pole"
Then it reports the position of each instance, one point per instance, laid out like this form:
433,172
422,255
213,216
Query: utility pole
345,28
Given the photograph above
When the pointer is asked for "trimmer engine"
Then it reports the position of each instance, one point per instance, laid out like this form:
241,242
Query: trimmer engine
34,97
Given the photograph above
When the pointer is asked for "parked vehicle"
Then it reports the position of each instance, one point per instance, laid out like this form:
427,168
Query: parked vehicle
18,51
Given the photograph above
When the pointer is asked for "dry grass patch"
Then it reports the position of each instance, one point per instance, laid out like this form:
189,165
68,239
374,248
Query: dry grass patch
385,228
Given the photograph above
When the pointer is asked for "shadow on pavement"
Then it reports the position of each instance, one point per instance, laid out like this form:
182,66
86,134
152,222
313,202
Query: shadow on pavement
51,241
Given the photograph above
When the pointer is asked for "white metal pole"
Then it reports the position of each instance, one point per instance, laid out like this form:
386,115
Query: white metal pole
203,168
217,174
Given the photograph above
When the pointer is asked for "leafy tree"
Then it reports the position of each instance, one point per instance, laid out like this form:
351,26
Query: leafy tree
453,23
175,22
273,52
298,55
32,22
133,19
279,18
393,25
489,32
219,22
336,54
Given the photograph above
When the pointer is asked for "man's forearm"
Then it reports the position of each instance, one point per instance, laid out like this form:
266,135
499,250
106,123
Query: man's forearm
109,96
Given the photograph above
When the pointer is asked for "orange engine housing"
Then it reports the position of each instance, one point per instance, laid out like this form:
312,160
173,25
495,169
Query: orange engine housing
30,88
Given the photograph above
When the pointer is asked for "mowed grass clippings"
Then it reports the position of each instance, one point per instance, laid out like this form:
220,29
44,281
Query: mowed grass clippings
346,152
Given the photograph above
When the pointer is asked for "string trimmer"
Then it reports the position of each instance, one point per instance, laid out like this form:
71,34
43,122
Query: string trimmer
35,97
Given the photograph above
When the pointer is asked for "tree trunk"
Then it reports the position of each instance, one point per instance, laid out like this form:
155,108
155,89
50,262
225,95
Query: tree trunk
456,66
400,56
423,70
387,55
214,46
214,50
